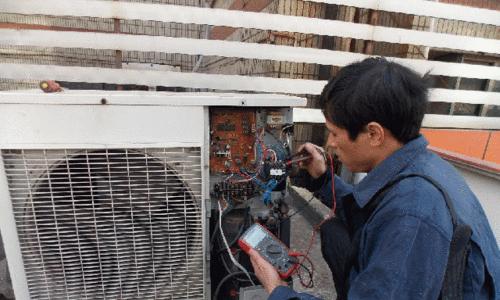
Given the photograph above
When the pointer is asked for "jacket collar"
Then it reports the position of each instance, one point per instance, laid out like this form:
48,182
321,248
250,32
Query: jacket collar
384,172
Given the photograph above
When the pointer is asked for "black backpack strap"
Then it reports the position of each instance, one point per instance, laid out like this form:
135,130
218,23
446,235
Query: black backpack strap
453,284
337,248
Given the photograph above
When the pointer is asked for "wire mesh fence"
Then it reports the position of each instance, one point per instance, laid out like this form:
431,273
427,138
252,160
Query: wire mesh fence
178,62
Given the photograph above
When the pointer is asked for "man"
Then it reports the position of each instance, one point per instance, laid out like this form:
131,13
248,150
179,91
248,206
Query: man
391,236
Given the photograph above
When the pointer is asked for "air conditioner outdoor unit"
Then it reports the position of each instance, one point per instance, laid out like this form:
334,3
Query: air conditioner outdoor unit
104,195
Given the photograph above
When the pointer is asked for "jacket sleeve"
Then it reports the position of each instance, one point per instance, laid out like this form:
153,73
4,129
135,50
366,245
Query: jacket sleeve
286,293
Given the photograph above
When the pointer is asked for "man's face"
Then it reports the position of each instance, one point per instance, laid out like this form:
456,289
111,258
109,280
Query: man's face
355,155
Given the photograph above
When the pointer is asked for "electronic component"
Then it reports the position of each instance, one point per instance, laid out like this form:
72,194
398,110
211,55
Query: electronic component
232,139
236,191
273,170
270,248
275,119
248,170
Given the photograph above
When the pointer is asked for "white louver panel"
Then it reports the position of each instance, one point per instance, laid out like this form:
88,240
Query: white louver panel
110,223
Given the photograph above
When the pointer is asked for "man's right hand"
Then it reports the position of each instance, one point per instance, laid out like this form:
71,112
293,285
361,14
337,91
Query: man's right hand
316,165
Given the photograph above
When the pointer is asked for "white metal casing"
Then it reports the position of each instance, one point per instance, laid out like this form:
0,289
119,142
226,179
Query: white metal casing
96,119
107,120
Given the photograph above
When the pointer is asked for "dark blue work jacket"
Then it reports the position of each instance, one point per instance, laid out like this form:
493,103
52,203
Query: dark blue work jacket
405,243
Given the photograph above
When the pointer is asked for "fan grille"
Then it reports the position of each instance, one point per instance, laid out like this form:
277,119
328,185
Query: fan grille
109,224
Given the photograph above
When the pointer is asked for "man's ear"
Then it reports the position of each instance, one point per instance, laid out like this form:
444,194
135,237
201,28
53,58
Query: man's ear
376,133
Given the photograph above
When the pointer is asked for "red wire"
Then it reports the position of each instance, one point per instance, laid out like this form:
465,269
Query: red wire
262,145
328,217
309,285
334,199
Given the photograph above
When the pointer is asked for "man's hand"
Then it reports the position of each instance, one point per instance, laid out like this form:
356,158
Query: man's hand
316,165
265,272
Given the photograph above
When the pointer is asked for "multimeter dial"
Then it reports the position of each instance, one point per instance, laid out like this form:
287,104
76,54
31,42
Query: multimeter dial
272,249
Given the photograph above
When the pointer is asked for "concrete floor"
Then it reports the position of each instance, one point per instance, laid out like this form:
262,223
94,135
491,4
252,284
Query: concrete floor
302,224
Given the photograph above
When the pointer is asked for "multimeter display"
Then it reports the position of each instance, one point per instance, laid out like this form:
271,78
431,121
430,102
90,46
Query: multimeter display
254,236
269,247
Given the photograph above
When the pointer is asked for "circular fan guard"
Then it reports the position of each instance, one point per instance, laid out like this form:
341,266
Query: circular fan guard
115,223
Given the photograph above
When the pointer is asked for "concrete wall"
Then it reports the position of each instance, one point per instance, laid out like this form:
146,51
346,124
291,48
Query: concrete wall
479,144
487,189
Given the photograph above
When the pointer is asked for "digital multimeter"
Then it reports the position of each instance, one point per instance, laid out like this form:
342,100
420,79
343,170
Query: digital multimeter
270,247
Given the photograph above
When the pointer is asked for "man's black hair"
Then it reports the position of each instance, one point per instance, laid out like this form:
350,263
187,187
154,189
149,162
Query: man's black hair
376,90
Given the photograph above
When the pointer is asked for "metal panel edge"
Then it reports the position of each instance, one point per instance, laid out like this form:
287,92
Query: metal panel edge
141,98
205,161
11,240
